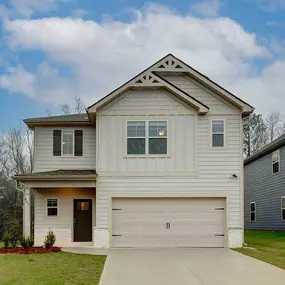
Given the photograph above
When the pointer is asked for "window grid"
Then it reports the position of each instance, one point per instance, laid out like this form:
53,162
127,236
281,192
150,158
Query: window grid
275,161
252,211
52,207
67,141
283,208
218,132
147,136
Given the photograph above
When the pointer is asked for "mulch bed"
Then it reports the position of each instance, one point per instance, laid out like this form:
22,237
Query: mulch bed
32,249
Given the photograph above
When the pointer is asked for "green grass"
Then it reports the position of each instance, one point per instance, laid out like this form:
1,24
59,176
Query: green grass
51,269
270,246
1,244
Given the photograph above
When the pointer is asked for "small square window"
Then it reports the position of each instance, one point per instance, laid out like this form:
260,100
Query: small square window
252,211
52,207
82,206
275,161
218,133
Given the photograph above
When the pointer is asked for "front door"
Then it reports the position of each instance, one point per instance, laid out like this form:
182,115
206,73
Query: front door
82,222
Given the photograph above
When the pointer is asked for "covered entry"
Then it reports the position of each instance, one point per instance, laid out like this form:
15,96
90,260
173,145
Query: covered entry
168,222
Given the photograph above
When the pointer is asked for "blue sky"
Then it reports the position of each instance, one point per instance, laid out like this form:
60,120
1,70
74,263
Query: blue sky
54,50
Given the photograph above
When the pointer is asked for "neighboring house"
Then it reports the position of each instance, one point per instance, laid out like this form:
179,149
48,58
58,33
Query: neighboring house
156,163
264,197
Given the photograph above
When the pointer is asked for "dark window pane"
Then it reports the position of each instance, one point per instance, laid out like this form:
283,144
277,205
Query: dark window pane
218,140
157,146
218,126
136,129
283,214
52,202
275,167
82,206
52,211
158,129
283,203
252,217
252,207
136,146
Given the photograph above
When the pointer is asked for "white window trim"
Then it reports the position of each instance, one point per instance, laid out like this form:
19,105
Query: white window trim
224,133
283,197
253,212
147,137
52,198
279,164
67,155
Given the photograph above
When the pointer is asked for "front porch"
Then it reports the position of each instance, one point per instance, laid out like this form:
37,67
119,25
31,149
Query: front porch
64,202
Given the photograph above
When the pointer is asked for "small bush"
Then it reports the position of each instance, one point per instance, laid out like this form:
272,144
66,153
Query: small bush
31,241
16,233
49,239
24,242
6,239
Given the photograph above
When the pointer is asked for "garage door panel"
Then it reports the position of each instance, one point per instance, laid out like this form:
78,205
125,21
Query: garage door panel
193,222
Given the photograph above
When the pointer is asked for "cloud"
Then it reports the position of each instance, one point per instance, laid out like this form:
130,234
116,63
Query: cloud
270,5
209,8
100,56
27,8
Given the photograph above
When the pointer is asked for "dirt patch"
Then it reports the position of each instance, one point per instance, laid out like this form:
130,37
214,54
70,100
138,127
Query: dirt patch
32,249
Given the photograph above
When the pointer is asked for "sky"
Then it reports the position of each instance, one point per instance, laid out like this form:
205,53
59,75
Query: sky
54,50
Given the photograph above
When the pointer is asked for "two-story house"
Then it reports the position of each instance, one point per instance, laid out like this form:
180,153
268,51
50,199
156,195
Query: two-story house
264,206
156,163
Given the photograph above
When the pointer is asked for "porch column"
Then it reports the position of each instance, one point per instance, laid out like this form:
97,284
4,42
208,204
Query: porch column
27,212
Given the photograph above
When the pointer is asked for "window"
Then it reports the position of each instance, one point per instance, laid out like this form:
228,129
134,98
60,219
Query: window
252,212
283,208
52,207
67,142
147,137
275,161
82,206
218,133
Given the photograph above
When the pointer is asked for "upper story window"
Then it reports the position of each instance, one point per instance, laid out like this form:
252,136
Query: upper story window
67,142
283,208
52,207
146,137
218,133
275,161
252,211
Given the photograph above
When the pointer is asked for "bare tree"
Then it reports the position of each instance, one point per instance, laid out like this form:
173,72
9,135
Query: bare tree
275,125
255,135
65,109
79,106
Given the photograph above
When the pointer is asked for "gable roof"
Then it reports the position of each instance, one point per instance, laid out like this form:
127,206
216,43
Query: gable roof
170,63
276,144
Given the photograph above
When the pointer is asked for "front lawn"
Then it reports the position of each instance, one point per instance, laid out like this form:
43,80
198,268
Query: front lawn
1,244
270,246
50,268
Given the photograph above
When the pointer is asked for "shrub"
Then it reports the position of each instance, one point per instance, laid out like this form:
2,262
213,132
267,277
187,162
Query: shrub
24,242
31,241
16,233
6,239
49,239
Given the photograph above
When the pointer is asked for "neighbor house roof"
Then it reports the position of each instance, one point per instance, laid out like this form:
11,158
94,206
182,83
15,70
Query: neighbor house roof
276,144
64,119
61,174
150,78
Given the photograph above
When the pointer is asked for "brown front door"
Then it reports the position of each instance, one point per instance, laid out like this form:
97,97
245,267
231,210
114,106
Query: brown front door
82,220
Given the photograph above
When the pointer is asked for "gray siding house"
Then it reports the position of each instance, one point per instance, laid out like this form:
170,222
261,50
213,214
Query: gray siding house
264,178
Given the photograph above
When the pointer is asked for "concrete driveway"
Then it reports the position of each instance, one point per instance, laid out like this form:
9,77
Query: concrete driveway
187,267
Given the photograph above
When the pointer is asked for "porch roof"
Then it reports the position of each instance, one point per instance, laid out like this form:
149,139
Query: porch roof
60,174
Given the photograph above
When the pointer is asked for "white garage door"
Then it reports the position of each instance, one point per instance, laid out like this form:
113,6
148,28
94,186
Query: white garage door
166,222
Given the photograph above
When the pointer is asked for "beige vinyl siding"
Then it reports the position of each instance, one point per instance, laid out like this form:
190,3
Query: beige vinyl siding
217,104
44,159
63,223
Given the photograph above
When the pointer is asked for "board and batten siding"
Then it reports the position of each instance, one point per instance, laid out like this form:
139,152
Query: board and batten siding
62,225
193,166
44,159
265,189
